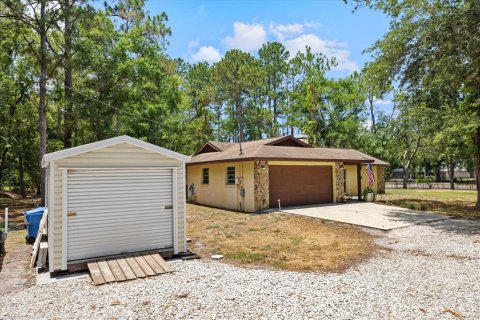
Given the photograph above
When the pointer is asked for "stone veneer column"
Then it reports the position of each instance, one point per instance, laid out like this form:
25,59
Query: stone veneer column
261,184
380,179
340,181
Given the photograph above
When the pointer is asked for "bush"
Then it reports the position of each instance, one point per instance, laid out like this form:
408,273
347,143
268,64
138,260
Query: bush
424,179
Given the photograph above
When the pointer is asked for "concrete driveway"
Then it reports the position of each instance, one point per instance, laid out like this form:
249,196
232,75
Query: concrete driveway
367,214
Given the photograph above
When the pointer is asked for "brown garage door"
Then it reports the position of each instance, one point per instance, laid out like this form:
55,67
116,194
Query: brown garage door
299,185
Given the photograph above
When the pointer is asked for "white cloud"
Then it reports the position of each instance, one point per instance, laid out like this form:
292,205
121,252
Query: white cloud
192,44
282,31
327,47
312,24
246,37
382,102
367,124
207,53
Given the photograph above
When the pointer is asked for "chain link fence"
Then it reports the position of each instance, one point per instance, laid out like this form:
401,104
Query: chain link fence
467,185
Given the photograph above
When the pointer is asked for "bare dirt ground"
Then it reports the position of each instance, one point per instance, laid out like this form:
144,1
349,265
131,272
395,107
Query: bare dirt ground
15,271
276,240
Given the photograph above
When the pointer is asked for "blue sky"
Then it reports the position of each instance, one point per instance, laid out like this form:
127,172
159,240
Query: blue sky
327,25
205,30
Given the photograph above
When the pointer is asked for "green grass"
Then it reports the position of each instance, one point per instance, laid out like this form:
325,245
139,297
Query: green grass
457,203
296,240
247,257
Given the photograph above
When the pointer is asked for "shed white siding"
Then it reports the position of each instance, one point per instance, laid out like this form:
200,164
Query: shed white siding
124,156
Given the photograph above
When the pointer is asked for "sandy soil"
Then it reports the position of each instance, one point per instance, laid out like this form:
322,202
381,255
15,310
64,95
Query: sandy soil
15,272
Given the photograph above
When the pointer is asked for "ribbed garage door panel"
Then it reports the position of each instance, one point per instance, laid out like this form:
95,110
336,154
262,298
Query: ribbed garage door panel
300,185
118,211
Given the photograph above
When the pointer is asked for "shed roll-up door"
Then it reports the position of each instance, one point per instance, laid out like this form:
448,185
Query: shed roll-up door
112,212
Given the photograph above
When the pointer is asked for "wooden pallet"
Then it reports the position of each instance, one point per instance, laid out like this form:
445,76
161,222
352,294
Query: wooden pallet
125,268
42,229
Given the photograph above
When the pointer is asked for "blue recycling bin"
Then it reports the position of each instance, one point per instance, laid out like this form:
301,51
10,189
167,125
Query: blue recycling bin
32,221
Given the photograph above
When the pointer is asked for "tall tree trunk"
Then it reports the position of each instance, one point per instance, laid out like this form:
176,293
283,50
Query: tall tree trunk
372,113
118,122
68,80
2,163
477,165
437,172
451,172
42,106
239,107
21,177
405,177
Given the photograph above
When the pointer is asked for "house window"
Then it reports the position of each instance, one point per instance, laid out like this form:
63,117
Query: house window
230,175
205,176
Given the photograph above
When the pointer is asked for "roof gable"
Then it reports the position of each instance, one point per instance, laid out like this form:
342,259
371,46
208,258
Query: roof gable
288,141
214,146
206,148
107,143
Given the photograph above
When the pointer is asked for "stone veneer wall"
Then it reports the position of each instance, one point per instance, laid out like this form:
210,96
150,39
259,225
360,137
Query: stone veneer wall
380,179
340,181
261,185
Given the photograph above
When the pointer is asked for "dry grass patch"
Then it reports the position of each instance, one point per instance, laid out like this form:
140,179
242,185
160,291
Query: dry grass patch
280,241
457,203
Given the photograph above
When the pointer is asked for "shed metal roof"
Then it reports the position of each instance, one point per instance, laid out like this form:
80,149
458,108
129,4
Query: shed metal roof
107,143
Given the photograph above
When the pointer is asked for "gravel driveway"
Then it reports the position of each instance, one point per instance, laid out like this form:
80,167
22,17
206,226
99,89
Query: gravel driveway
423,272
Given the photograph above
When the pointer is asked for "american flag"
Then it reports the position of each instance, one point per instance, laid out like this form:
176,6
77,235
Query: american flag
371,177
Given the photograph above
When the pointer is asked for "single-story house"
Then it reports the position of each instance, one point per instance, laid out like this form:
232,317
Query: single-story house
112,197
259,174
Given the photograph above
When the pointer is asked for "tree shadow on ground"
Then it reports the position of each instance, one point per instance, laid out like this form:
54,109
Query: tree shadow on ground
457,209
432,219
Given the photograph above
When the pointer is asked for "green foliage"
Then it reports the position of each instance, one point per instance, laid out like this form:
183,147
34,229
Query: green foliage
123,82
366,191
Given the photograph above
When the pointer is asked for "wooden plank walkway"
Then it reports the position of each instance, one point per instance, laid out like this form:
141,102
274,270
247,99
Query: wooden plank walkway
127,268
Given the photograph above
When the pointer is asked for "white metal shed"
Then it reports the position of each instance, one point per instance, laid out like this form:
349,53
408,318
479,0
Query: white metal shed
111,197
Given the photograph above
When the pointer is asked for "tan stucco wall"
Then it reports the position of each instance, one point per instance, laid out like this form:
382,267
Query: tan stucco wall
310,163
351,175
117,156
217,193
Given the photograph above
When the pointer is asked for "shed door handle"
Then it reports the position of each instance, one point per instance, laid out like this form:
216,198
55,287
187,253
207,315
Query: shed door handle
167,207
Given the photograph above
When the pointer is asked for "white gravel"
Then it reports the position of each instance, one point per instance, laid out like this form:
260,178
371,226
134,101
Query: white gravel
424,272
